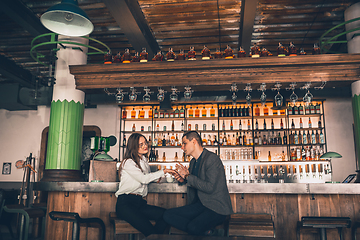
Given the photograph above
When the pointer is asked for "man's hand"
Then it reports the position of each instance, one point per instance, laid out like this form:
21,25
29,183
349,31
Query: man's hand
182,170
176,175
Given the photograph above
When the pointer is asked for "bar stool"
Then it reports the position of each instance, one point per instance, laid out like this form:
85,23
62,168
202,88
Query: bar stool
322,223
77,220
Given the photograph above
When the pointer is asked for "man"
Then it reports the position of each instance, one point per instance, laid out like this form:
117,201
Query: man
207,193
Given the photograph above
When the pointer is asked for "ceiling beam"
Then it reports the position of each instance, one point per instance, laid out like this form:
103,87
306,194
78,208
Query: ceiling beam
16,73
22,15
130,18
248,8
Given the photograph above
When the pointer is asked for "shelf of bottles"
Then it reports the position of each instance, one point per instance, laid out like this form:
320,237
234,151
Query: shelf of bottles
235,132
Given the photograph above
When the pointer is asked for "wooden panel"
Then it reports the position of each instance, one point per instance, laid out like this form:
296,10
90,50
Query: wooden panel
220,74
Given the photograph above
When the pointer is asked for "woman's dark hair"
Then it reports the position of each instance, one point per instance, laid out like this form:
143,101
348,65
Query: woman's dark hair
132,150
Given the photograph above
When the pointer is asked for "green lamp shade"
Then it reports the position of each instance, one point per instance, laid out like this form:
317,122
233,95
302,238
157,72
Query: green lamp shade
68,19
103,157
330,155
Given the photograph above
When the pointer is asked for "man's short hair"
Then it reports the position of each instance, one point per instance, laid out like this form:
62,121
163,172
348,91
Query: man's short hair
190,135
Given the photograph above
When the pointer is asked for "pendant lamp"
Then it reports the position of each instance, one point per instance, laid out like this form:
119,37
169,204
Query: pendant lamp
67,18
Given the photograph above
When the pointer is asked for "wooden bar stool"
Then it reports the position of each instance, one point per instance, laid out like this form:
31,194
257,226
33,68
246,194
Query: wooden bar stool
77,220
322,223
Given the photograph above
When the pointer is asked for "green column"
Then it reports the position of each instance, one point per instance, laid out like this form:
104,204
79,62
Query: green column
65,135
356,113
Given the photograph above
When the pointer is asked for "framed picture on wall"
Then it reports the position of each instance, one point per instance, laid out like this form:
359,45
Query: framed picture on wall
6,168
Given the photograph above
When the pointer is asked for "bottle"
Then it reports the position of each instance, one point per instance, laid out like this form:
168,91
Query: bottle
166,115
264,140
304,141
240,140
182,126
291,138
266,110
143,55
301,110
319,122
285,138
189,127
269,157
124,141
150,113
209,142
312,109
249,126
204,141
231,125
282,111
313,138
308,137
212,111
250,140
176,158
172,126
256,125
172,114
240,126
317,108
281,124
161,114
300,137
191,54
204,127
317,137
296,138
256,140
133,113
182,112
164,157
264,126
124,114
272,124
203,112
224,140
197,112
213,127
156,114
279,140
237,140
216,143
141,113
196,127
191,112
307,110
223,125
168,140
176,112
296,110
220,140
322,139
290,110
309,122
221,112
257,110
301,123
244,140
292,124
133,128
177,143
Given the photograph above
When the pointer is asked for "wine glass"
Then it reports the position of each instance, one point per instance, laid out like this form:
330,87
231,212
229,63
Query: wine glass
248,99
293,97
263,98
279,99
308,97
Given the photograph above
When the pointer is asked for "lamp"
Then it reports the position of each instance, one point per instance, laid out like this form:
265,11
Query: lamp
67,18
330,155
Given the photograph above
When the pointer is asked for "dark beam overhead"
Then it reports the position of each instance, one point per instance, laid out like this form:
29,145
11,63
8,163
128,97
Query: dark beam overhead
22,15
16,73
129,17
248,12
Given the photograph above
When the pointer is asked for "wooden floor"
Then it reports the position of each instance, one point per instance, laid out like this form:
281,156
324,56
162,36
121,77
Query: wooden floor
187,237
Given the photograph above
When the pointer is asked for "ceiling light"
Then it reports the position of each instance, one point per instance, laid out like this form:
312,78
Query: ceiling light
67,18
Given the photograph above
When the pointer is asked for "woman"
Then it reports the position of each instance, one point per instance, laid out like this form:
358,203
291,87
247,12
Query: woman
135,176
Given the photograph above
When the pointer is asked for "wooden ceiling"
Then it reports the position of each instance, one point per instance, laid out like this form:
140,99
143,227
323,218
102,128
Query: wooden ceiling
161,24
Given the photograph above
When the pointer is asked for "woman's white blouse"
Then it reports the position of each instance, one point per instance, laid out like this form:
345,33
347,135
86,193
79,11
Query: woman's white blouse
133,180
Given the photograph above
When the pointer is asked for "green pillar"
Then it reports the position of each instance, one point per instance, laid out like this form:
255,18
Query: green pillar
65,135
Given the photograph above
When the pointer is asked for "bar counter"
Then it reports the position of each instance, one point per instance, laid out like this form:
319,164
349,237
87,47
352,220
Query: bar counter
286,202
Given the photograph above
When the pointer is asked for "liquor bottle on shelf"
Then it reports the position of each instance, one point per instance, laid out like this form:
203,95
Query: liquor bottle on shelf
260,139
257,110
142,128
285,138
240,140
197,112
241,53
177,143
170,55
300,137
209,142
290,110
317,137
256,139
189,127
124,141
256,125
301,109
133,128
196,127
218,53
156,113
204,127
301,123
292,49
248,125
228,53
240,126
166,114
269,157
224,141
213,127
182,112
212,111
133,113
296,138
305,139
308,137
216,143
164,157
272,124
266,110
309,122
161,114
292,124
223,125
192,54
244,140
264,125
191,112
312,109
307,110
291,138
182,126
281,124
176,112
204,141
124,113
141,113
231,125
176,158
172,126
322,139
205,53
296,110
279,139
150,113
317,108
319,122
203,112
264,140
171,114
313,137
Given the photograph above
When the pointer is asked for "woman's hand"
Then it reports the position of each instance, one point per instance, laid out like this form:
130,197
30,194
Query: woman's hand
175,174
